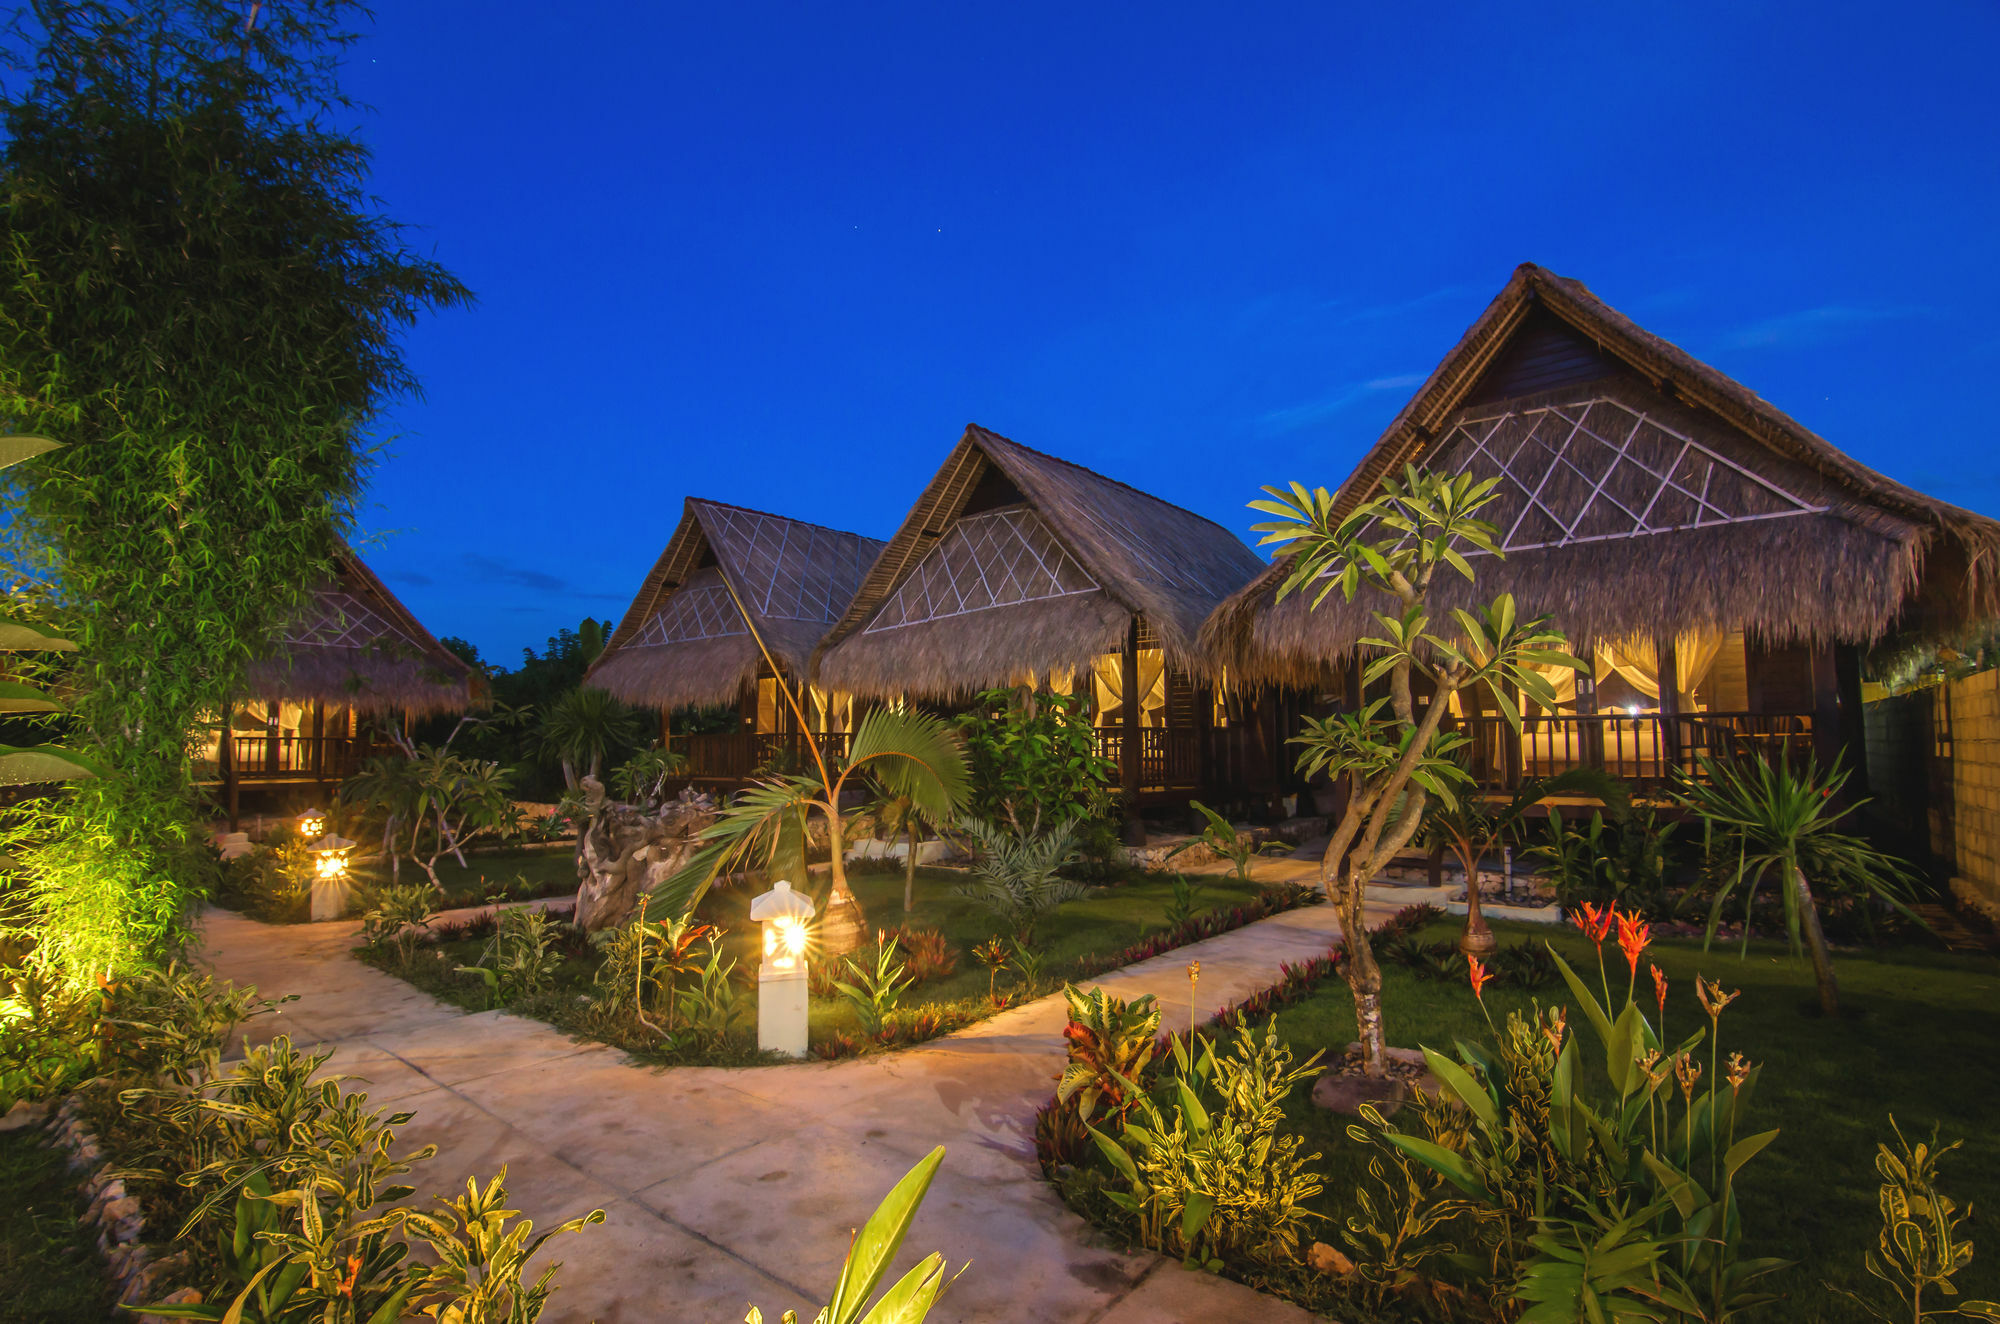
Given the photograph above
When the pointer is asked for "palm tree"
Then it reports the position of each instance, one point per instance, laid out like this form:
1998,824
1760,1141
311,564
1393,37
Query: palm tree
769,822
582,727
1470,827
1782,820
896,813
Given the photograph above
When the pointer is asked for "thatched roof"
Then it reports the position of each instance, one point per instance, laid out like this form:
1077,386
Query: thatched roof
1014,561
683,641
358,646
1643,493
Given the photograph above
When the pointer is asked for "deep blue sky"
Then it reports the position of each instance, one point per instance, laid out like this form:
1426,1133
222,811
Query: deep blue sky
781,256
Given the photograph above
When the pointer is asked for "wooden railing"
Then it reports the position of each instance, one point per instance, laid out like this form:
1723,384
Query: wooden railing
736,756
1643,749
271,757
1169,757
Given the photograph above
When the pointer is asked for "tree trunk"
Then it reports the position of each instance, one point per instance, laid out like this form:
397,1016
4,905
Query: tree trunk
1822,959
841,928
1477,940
910,874
1364,980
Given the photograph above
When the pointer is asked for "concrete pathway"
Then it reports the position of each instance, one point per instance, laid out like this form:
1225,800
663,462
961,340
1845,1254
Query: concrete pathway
726,1187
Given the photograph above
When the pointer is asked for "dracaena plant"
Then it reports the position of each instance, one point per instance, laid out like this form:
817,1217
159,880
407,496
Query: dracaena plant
1395,758
1111,1045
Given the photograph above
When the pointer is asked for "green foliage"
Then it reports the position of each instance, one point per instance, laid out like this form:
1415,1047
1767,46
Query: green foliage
870,1254
874,989
643,778
1212,1182
1111,1043
1396,761
1395,1231
1618,1206
211,374
477,1278
1182,908
767,823
430,801
520,959
1034,759
272,883
709,1004
1222,838
1017,873
583,727
48,1034
398,916
1920,1247
1782,824
645,962
1628,860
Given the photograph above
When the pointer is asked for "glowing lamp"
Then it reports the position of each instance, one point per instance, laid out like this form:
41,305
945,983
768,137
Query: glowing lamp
781,976
330,886
312,823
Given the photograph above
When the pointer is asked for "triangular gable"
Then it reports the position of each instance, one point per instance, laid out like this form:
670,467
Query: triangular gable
997,558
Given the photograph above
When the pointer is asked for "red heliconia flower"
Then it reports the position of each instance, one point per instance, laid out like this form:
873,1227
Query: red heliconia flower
1595,924
1659,985
1481,976
1633,936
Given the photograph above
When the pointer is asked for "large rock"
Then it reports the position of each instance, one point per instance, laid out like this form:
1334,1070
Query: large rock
624,849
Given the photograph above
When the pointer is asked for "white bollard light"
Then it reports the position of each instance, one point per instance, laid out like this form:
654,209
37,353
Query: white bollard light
781,977
331,887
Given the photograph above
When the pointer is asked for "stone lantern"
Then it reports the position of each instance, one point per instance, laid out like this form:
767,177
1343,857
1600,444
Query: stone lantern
781,977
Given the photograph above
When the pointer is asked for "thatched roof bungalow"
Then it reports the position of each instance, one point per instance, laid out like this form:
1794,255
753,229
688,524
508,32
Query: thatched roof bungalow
355,652
1712,554
1014,565
684,640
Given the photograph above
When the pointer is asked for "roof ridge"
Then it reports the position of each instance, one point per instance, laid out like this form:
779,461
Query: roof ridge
772,514
1104,478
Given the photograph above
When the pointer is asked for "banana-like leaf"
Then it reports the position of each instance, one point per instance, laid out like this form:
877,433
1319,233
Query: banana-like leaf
20,446
23,766
20,637
18,698
911,1299
880,1238
917,755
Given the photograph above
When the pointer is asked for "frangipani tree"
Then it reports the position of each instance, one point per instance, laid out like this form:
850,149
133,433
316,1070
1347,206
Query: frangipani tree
1398,758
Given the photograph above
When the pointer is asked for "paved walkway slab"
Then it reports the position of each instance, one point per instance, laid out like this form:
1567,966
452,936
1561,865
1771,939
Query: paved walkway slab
725,1187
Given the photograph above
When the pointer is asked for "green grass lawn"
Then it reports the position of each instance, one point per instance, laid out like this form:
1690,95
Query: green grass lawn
1919,1037
532,871
50,1272
1110,918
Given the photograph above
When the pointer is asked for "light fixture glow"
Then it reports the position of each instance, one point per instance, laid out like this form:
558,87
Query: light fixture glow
311,824
785,942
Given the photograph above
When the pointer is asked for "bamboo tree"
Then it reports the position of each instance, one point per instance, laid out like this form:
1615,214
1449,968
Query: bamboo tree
1396,759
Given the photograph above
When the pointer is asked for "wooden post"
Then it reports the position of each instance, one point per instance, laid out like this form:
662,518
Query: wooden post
273,756
1204,735
1853,724
226,756
1129,749
1510,740
1667,663
1826,732
1590,736
319,744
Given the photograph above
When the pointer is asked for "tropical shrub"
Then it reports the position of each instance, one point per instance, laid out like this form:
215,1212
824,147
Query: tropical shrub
873,989
1111,1044
1017,874
480,1259
1222,839
1626,1205
582,728
48,1034
1781,822
520,959
643,778
1034,760
430,802
1215,1181
1628,860
1920,1247
397,917
709,1004
644,963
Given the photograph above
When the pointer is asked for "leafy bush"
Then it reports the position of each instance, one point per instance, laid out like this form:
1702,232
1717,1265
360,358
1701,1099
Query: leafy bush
1111,1044
874,988
397,916
1920,1246
521,959
477,1278
1034,760
1222,839
272,883
642,779
48,1034
1211,1184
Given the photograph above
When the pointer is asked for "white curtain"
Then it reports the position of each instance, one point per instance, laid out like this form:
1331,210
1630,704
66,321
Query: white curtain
1108,682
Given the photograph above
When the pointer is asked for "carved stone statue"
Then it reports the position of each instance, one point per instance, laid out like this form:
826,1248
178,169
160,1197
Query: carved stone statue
624,849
